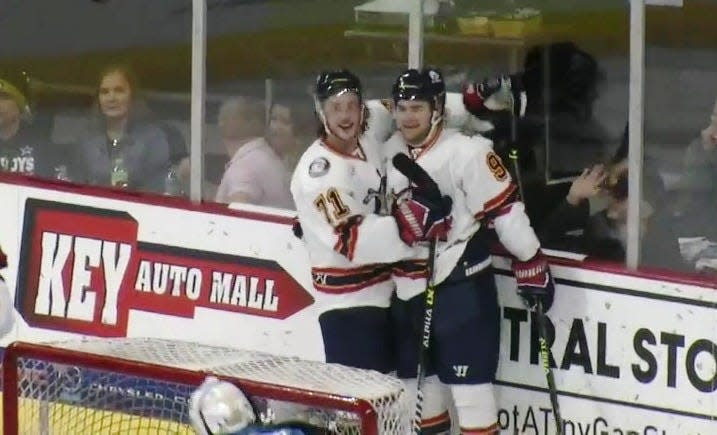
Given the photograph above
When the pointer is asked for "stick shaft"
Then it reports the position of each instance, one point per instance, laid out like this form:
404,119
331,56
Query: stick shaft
429,300
545,356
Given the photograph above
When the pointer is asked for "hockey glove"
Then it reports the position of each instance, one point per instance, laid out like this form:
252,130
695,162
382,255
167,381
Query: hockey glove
297,229
534,281
495,94
421,218
3,259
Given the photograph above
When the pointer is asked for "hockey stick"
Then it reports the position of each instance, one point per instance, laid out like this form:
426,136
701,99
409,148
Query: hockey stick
428,302
513,154
545,356
420,177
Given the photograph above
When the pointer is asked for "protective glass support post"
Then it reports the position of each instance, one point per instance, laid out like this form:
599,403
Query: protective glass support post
415,35
199,52
635,132
546,112
268,100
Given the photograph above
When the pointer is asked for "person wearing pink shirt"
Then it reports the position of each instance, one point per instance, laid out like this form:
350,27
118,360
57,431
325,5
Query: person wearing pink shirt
255,174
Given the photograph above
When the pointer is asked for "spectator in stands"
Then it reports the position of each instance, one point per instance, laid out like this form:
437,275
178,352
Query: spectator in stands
123,148
572,227
281,134
287,130
255,173
23,149
653,186
576,138
697,208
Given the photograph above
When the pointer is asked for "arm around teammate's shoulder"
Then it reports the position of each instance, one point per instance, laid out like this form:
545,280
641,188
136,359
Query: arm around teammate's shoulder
333,213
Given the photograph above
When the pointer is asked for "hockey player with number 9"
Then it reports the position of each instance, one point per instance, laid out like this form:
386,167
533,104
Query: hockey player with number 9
338,187
464,342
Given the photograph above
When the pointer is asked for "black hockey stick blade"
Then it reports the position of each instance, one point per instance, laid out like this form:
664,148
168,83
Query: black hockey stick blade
416,174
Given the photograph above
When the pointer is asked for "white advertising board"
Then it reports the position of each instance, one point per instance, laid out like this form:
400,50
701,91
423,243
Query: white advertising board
94,266
633,354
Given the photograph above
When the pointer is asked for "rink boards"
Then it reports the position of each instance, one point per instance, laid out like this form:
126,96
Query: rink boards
634,352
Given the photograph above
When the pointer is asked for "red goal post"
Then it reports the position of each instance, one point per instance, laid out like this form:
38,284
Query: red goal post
141,386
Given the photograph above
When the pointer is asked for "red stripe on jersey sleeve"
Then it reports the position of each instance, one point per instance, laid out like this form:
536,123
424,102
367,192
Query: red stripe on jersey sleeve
503,198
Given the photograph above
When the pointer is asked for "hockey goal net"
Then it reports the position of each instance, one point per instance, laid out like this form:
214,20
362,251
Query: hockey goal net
142,386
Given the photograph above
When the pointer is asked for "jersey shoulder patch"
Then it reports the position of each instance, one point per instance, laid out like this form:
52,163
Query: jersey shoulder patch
319,167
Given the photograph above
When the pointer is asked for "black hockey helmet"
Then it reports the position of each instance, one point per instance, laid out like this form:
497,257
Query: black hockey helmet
330,83
424,85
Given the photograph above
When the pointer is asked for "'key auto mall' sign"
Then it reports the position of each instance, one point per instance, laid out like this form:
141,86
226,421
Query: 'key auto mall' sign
82,270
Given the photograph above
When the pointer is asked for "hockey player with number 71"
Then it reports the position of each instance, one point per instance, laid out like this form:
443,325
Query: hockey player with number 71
464,340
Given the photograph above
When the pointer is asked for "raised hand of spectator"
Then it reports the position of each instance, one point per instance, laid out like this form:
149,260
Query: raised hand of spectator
586,185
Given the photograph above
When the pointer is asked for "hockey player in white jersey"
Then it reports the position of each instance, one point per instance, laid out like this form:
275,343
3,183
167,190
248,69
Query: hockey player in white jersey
338,186
464,345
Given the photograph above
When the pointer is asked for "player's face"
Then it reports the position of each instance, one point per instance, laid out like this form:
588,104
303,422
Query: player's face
343,116
413,119
115,96
9,112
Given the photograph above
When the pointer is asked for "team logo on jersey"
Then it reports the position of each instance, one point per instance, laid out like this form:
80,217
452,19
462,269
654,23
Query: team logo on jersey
319,167
378,196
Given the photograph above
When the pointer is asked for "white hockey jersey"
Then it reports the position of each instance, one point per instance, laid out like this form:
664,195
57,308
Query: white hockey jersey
338,199
468,170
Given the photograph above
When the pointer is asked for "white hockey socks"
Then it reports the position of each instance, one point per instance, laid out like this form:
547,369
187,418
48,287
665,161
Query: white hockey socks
435,419
476,409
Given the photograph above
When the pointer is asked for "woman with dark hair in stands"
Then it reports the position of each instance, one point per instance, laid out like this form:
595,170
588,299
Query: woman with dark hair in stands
123,148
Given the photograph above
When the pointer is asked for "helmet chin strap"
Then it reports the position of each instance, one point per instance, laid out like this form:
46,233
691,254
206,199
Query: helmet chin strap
436,123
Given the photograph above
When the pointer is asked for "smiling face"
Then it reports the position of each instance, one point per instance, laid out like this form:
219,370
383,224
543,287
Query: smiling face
413,120
343,116
115,95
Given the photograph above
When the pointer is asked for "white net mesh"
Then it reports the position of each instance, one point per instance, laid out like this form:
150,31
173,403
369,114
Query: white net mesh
83,398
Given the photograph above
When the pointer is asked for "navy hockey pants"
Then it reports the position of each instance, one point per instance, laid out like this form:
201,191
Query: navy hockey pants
465,335
359,337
